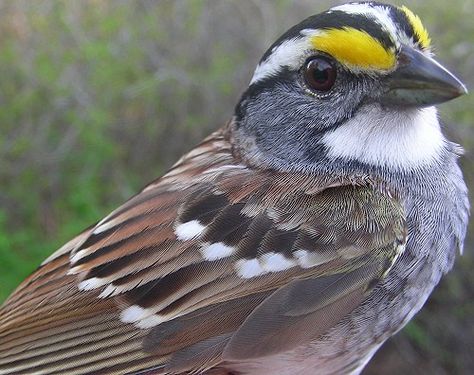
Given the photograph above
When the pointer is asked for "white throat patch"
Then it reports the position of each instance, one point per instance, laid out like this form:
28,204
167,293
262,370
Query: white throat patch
396,139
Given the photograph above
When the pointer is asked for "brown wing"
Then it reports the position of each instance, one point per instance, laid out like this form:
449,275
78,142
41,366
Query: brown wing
205,263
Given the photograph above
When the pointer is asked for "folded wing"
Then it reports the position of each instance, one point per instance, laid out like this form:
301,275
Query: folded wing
214,262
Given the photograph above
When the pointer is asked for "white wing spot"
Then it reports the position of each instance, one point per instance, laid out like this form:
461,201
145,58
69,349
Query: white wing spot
75,270
103,227
308,259
216,251
274,262
92,283
109,291
248,268
133,314
80,254
143,318
189,230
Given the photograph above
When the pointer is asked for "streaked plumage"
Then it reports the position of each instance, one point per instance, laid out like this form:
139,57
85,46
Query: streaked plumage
268,248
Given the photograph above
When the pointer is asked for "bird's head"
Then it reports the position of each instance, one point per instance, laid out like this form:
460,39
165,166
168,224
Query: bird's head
355,84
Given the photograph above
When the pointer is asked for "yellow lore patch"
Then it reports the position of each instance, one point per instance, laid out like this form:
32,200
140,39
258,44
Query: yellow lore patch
418,27
354,48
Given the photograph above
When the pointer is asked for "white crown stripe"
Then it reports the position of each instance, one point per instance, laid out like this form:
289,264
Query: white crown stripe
379,14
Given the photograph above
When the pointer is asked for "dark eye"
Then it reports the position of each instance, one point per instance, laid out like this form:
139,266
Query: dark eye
320,73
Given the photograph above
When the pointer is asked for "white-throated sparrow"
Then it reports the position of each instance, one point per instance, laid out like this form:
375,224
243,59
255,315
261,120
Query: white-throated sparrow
295,240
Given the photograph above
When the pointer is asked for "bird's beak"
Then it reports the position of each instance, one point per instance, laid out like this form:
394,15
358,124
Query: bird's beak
420,81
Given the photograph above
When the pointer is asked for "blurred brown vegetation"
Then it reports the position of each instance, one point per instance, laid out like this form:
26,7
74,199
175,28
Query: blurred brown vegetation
98,97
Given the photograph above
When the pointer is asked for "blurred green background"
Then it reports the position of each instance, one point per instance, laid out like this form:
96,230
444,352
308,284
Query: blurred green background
99,97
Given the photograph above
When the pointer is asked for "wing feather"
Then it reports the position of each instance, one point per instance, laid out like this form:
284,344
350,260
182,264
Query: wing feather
213,261
299,312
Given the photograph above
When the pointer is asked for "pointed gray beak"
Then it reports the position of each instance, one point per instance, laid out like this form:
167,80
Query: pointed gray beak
420,81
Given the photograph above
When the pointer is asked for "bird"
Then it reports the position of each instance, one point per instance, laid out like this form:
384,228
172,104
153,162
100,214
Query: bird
296,239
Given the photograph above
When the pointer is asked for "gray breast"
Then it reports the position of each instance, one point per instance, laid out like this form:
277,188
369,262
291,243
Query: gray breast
437,209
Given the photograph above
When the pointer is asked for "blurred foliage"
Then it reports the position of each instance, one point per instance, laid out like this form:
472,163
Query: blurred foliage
98,97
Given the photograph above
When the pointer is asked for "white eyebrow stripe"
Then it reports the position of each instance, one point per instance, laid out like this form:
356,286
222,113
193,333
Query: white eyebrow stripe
287,54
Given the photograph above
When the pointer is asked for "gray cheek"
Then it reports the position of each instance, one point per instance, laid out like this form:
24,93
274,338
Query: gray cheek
286,122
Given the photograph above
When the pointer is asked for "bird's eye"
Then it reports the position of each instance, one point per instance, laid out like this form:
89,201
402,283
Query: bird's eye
320,73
